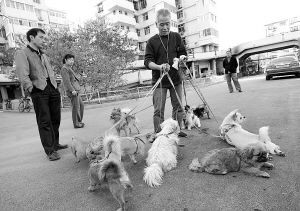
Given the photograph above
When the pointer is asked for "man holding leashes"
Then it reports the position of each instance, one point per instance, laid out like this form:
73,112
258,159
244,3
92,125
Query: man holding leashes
230,64
161,49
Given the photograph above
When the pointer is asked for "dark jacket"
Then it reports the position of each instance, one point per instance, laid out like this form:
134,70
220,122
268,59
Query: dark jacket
33,70
70,80
230,67
155,52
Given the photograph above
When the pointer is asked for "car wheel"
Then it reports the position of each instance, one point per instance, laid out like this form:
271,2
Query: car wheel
268,77
297,75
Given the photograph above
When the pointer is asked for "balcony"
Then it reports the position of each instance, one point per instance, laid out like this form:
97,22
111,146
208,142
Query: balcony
112,5
121,18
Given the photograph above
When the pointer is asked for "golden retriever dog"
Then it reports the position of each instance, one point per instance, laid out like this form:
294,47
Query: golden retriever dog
127,121
162,156
235,135
223,161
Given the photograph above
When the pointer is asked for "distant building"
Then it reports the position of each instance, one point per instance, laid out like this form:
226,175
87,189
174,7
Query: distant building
283,26
17,17
197,24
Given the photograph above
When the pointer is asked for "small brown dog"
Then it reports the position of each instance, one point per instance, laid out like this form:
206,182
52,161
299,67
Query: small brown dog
223,161
127,121
113,173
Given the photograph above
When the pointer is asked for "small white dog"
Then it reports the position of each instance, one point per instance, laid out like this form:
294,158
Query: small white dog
191,119
235,135
162,156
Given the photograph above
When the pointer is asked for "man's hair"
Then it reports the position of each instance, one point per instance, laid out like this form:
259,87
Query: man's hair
67,56
34,32
163,12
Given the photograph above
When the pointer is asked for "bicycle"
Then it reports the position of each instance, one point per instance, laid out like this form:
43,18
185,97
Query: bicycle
8,104
24,105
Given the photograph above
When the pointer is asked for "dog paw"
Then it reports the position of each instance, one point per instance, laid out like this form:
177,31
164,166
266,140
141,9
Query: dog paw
281,154
265,175
91,188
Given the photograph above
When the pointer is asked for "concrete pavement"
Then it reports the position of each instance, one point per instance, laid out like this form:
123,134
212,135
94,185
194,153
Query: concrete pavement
28,181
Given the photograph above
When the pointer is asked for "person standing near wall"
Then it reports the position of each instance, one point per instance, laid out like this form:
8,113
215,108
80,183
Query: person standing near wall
71,84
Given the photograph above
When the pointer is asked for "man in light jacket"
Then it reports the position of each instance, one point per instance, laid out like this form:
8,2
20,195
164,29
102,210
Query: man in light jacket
71,84
37,77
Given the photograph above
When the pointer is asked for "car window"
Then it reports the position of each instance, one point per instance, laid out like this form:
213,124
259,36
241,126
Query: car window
283,60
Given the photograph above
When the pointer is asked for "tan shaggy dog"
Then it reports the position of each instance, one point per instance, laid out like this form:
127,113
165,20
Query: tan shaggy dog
223,161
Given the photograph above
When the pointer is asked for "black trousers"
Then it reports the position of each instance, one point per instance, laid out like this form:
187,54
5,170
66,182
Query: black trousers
47,106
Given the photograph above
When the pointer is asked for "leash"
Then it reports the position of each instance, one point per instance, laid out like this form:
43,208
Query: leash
137,146
199,92
150,92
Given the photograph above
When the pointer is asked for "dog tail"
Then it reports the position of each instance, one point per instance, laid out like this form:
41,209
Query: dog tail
111,143
110,170
153,175
264,134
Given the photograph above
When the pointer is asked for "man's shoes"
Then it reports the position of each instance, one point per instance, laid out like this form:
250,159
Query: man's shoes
60,146
182,134
53,156
81,125
240,91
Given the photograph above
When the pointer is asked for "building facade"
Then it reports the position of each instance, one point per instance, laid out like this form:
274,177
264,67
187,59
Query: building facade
283,26
18,16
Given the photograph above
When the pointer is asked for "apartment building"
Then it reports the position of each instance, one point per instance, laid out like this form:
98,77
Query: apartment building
197,24
120,13
283,26
145,16
18,16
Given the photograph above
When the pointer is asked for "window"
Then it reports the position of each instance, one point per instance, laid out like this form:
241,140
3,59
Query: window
181,28
145,16
37,1
136,18
29,8
122,27
125,13
143,4
10,3
120,12
138,32
209,31
147,30
127,28
141,46
20,6
180,14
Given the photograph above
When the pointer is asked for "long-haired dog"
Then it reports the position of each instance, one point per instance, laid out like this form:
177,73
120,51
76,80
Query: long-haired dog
162,156
191,119
201,110
235,135
86,150
110,170
124,120
223,161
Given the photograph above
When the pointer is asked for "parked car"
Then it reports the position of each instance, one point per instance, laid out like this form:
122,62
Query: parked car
288,65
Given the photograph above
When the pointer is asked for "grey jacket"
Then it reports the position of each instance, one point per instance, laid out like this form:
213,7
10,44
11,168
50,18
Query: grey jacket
33,70
70,80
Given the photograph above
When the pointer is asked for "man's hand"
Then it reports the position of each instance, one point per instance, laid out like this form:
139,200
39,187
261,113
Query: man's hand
164,67
182,58
74,93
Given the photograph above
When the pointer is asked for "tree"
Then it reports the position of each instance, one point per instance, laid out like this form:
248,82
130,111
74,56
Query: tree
101,52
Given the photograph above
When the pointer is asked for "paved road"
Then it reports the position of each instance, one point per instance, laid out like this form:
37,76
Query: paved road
28,181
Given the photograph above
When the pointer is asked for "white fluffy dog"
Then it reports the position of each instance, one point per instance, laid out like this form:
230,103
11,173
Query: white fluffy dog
235,135
162,156
191,119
